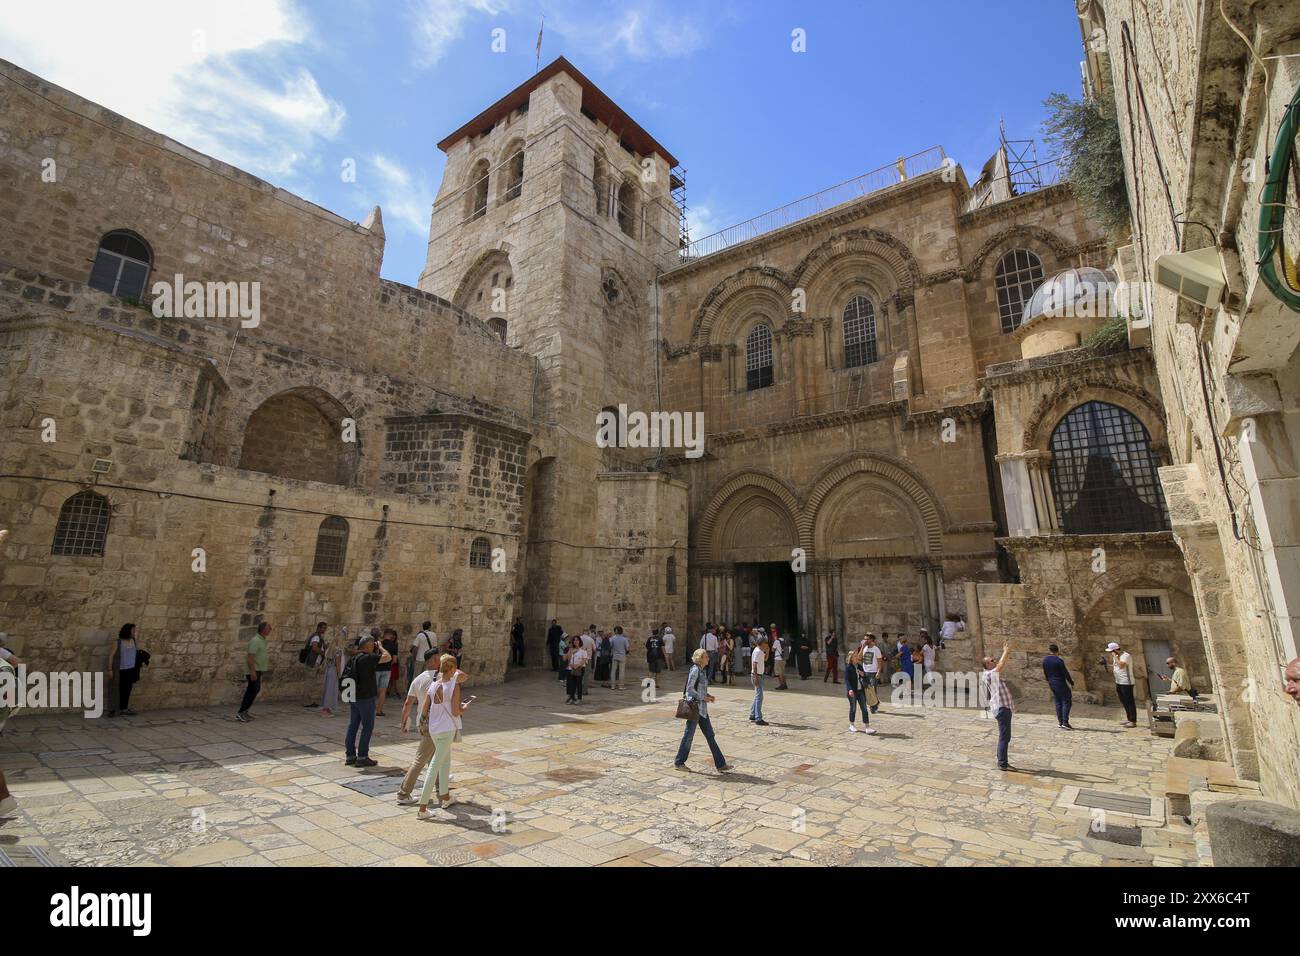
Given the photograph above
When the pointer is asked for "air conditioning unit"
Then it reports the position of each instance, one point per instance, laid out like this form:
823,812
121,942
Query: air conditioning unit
1195,276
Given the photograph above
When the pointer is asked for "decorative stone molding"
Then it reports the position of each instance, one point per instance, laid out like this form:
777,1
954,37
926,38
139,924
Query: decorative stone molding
1006,239
891,470
748,482
1076,391
889,249
753,277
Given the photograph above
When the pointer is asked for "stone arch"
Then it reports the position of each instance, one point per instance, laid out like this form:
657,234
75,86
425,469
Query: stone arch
722,300
510,170
1137,401
1034,238
891,472
740,490
297,433
870,246
494,259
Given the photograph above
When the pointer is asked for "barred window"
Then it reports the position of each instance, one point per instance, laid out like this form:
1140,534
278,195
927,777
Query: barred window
82,529
758,358
1018,274
498,326
331,547
121,266
1148,605
859,332
672,575
480,553
1103,473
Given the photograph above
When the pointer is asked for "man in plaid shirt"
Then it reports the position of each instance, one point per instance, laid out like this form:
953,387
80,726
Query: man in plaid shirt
998,696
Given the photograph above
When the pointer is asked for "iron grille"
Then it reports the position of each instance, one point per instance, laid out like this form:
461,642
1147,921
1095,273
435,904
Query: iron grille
480,553
758,358
1018,275
1104,473
331,547
859,332
82,529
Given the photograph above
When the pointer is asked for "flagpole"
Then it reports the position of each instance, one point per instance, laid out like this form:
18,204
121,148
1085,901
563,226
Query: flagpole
538,67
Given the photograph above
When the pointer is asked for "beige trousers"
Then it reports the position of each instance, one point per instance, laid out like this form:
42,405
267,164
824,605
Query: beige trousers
422,758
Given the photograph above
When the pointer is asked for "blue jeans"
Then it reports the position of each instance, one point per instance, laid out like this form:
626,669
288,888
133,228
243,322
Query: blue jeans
858,701
688,735
756,708
363,716
1063,699
1003,717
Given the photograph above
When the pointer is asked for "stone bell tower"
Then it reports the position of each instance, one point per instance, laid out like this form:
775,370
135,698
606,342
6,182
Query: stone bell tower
554,216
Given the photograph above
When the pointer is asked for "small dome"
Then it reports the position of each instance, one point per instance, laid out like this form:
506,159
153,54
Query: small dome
1077,293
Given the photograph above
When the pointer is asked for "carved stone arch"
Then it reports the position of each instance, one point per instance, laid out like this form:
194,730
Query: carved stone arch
1134,399
1103,585
489,259
715,303
889,249
745,483
984,262
892,471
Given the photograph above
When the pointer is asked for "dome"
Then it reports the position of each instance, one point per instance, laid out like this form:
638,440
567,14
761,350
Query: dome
1084,293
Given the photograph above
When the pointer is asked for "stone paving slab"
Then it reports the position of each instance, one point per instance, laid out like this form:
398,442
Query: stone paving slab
541,783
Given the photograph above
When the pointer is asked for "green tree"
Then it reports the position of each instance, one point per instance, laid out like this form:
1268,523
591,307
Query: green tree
1086,135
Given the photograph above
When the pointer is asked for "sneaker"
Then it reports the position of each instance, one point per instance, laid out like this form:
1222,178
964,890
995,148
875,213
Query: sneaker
246,716
1129,723
407,801
852,729
1068,726
241,717
445,804
761,723
425,814
679,766
1004,766
752,717
367,762
350,762
8,805
726,767
868,730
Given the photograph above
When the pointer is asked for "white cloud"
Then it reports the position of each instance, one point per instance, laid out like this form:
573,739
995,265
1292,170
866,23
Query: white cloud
641,30
701,221
405,199
440,23
214,76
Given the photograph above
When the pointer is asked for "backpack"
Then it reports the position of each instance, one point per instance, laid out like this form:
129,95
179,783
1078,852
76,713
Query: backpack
305,653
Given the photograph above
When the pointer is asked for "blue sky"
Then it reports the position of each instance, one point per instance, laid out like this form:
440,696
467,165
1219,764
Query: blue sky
289,89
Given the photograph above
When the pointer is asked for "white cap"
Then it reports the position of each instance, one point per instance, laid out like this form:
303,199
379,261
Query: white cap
1112,646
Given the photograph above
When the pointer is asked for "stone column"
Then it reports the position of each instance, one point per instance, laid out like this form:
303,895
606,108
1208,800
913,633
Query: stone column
1038,464
907,313
1018,495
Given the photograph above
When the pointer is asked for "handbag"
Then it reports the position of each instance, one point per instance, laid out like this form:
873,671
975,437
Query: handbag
687,709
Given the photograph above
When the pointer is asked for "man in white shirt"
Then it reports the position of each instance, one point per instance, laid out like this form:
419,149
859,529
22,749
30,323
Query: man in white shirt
415,699
778,664
425,640
871,655
669,639
757,661
1121,665
709,642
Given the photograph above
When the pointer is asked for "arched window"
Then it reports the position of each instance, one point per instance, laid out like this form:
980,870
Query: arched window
83,525
671,575
331,547
1018,274
859,332
515,173
758,358
121,265
498,326
627,209
480,553
478,190
1104,473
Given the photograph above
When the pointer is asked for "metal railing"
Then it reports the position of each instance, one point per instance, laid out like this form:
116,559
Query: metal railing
901,170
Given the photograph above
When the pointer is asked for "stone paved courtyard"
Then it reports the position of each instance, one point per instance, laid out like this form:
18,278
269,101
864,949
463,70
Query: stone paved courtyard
541,783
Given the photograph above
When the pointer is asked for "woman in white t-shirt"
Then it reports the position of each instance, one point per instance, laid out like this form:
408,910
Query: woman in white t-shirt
440,718
669,639
577,657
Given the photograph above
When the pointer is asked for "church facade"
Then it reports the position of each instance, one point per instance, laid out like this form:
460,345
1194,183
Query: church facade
890,434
